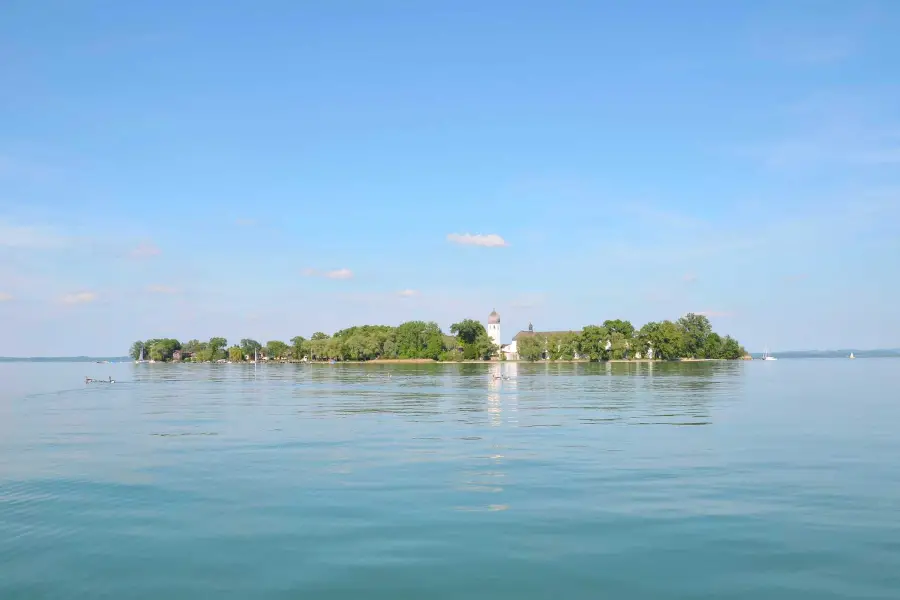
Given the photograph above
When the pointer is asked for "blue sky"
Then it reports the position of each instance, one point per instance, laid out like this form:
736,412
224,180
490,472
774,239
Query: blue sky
270,169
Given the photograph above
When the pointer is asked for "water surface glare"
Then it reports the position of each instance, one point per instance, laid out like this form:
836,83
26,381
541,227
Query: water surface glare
704,480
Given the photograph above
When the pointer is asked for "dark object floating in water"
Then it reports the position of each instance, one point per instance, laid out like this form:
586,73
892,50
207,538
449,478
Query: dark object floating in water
90,380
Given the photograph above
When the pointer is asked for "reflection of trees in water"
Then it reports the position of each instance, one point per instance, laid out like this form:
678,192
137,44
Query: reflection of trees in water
632,392
547,392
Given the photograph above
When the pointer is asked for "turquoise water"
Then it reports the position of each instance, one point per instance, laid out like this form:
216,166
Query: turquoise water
708,480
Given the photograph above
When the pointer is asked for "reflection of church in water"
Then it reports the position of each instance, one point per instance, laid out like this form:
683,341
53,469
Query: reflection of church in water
503,396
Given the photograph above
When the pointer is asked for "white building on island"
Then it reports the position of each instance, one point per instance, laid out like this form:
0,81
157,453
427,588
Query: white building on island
493,328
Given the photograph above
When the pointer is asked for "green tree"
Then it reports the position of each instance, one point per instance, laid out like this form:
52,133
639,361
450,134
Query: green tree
318,349
298,347
468,330
418,339
474,340
568,345
319,336
593,342
217,347
390,349
250,347
194,346
530,347
235,354
667,340
618,345
365,342
355,347
695,329
161,349
561,346
713,346
619,326
334,348
136,348
485,348
276,349
731,349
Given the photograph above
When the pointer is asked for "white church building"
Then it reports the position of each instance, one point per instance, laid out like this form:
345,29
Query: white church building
493,329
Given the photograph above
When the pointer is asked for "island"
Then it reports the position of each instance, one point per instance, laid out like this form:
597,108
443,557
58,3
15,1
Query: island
689,338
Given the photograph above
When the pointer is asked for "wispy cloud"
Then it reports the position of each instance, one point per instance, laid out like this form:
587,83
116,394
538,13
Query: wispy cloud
491,240
79,298
245,222
333,274
161,289
689,278
5,296
339,274
145,250
408,293
29,237
829,130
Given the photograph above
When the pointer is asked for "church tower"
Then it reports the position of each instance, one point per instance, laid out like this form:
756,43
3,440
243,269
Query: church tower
493,328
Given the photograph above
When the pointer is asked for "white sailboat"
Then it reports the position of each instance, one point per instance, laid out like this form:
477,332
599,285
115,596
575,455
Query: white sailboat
141,359
767,356
851,355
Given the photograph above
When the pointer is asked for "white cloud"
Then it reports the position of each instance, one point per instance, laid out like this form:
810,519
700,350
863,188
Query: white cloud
79,298
408,293
339,274
689,278
161,289
25,236
334,274
5,296
491,240
145,250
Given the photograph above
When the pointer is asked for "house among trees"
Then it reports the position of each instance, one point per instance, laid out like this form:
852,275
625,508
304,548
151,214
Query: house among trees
549,340
616,340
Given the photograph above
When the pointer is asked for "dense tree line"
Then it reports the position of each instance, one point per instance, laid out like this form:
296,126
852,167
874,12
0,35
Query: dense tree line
410,340
690,336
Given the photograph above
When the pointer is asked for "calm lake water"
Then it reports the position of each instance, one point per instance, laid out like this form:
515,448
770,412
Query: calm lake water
708,480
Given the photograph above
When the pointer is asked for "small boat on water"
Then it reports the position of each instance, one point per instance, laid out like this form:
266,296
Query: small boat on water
851,355
92,380
767,356
141,359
